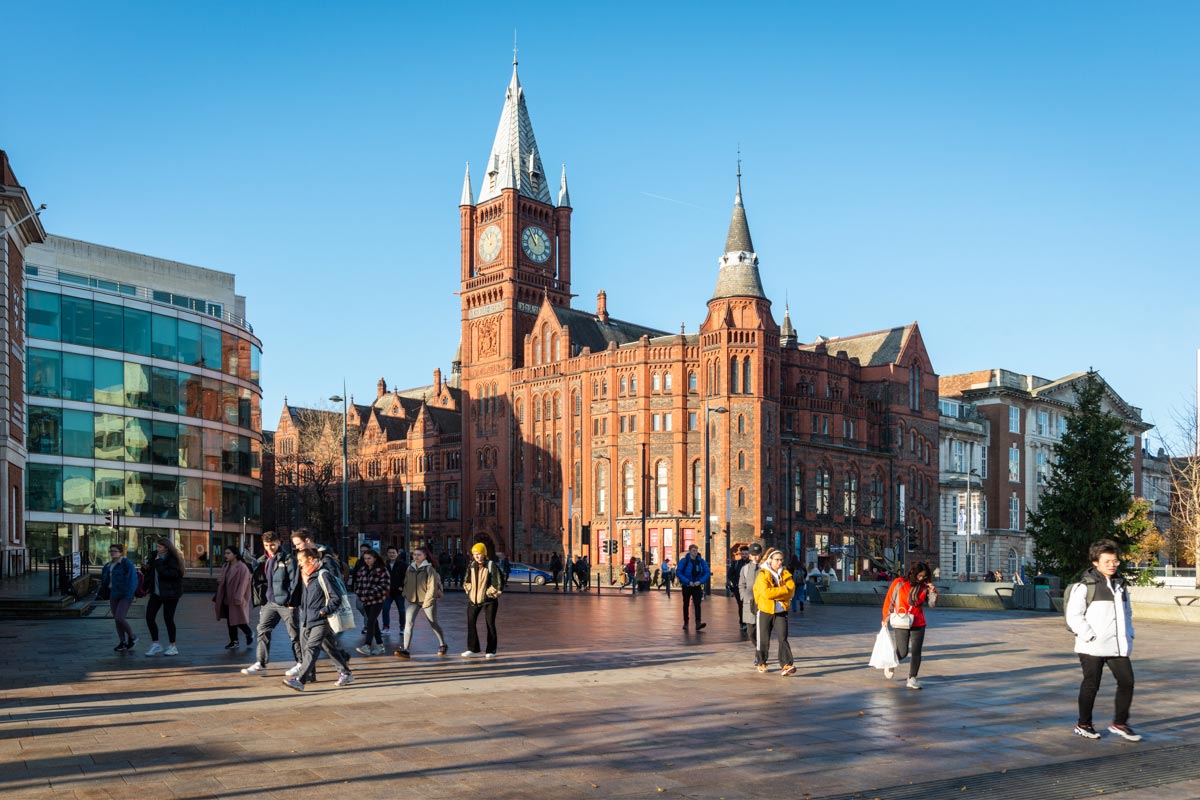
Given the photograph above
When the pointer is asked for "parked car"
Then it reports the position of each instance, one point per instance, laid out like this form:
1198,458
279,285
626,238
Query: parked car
523,573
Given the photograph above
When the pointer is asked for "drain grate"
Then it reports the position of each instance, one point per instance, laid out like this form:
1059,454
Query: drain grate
1089,777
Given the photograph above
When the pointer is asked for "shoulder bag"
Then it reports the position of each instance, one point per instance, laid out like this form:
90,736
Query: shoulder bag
901,620
342,619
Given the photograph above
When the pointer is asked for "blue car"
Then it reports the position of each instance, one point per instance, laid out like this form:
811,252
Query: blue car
523,573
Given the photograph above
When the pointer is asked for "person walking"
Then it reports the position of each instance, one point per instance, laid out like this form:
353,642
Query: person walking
1100,614
556,568
119,582
371,586
164,582
773,590
505,567
668,575
483,584
232,600
422,590
693,572
641,579
909,595
395,569
321,597
800,578
733,581
275,589
460,568
746,580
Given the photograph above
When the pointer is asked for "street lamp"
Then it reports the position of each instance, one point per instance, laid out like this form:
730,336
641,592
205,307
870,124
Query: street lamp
30,215
967,522
707,481
345,477
608,508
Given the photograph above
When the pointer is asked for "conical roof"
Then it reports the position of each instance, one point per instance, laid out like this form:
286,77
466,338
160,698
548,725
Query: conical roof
739,266
514,162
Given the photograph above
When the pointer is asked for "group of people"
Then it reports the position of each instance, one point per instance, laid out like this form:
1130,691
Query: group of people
575,572
160,580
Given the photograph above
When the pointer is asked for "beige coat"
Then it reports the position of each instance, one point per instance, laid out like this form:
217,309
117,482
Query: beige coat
233,590
482,582
422,585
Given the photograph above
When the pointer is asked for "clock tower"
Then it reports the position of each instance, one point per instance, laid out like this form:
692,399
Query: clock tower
516,250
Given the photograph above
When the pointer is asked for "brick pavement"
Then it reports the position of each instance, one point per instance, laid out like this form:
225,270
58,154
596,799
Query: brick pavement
590,698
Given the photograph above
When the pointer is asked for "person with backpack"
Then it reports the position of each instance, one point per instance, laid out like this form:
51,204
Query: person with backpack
746,578
275,589
371,586
1100,614
322,594
903,605
232,600
733,583
483,584
692,572
422,590
119,585
773,590
668,575
164,582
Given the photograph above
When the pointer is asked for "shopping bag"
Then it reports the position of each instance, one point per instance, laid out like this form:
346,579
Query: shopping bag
884,654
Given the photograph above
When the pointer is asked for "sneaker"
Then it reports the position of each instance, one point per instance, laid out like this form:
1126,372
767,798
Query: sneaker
701,625
1124,731
292,671
254,669
761,668
377,650
443,650
470,654
293,683
130,644
365,649
402,653
889,672
386,631
685,626
171,651
1086,731
344,679
913,683
489,655
232,646
155,649
120,648
790,669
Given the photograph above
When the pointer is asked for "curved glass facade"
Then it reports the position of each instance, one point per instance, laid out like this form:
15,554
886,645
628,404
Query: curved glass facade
151,411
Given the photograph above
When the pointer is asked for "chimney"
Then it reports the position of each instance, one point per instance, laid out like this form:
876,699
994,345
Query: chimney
380,388
602,306
437,379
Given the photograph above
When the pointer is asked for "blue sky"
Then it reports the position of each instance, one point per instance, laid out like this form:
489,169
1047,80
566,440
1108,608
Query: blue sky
1021,178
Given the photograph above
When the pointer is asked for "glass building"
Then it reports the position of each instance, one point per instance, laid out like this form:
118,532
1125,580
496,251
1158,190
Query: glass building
143,397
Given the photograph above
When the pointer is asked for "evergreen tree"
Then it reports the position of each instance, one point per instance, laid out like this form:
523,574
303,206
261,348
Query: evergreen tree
1088,494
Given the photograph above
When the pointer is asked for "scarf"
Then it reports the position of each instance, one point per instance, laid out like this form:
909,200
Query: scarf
308,570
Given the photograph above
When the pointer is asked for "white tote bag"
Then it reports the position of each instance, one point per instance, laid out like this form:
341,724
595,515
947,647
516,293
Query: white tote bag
884,654
342,619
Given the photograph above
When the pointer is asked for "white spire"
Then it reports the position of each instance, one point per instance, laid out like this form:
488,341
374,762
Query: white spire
514,162
564,196
468,198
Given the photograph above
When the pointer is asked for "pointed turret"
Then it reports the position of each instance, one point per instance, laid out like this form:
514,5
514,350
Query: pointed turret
468,196
564,196
514,162
787,333
739,266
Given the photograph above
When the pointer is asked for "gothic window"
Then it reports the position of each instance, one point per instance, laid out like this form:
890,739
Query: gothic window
697,487
741,460
537,351
656,382
914,387
877,497
824,483
798,489
662,502
633,384
741,498
602,488
741,424
850,495
734,383
554,347
557,406
623,386
576,403
520,413
747,382
627,488
667,382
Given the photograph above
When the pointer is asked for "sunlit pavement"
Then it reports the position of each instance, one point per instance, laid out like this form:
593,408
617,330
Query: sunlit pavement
590,697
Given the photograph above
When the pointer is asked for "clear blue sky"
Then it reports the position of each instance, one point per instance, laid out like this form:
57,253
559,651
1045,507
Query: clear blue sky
1021,178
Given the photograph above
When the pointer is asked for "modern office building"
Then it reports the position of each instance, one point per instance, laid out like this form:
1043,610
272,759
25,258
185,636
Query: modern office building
142,388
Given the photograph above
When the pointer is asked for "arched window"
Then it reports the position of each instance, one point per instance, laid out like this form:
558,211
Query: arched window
656,382
627,488
741,426
557,406
623,385
604,387
520,413
537,408
633,384
798,489
546,341
537,351
697,487
741,459
576,404
1014,562
662,500
824,482
734,384
554,347
741,498
691,381
602,488
747,381
546,408
667,382
850,495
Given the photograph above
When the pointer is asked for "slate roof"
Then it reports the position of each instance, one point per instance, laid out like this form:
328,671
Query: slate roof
739,266
587,330
871,349
514,152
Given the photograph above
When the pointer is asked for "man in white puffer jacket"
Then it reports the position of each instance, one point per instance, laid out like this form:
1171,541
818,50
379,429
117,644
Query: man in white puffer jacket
1103,635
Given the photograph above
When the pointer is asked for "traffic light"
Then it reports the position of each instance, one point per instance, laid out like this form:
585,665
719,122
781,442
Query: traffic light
113,521
913,545
612,547
585,535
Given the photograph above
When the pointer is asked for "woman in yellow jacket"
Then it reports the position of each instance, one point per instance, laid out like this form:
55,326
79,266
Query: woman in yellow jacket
773,590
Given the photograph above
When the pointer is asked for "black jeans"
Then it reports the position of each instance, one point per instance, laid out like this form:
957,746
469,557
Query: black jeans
489,610
914,639
168,605
692,594
765,625
1093,667
268,617
320,637
371,612
233,632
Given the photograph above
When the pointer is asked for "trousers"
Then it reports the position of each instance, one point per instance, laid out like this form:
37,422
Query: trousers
316,638
1093,667
764,626
914,639
410,619
489,610
269,617
692,594
168,606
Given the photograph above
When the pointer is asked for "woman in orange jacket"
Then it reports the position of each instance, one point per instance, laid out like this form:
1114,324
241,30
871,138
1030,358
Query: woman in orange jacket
908,595
773,590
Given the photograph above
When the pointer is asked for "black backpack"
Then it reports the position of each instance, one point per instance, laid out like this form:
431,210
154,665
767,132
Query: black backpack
1091,595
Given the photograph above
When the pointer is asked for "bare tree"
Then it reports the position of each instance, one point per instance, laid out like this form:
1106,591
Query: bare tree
314,467
1184,534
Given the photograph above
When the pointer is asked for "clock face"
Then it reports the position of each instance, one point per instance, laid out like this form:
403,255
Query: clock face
536,244
489,243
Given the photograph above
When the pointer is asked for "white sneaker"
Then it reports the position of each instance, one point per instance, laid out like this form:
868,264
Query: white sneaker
155,649
254,669
171,651
364,649
292,671
889,672
470,654
490,655
913,683
377,650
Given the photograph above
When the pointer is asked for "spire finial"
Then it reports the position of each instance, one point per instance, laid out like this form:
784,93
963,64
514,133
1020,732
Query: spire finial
737,201
514,47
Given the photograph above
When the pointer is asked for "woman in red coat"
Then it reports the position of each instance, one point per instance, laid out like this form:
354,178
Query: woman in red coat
909,595
232,599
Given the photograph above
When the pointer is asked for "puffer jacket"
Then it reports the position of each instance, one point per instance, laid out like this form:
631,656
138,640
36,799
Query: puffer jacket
483,583
768,592
692,570
282,587
422,585
1105,626
745,584
164,577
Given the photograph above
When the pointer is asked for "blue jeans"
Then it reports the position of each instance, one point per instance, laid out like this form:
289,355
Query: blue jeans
387,607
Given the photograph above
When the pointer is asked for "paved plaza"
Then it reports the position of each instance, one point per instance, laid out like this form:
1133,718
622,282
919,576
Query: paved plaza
593,697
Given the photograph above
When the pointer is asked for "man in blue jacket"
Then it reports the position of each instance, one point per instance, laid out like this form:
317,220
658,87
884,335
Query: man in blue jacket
692,574
276,590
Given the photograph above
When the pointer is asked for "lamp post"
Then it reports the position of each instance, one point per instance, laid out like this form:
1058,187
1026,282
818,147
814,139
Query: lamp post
608,509
707,481
345,476
967,522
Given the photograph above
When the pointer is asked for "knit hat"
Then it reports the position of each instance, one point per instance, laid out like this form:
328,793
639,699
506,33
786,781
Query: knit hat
479,547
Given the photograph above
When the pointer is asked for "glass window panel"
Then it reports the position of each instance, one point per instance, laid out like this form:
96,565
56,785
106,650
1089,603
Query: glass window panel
79,433
244,408
229,404
233,504
137,385
212,450
190,394
108,381
191,447
164,332
243,348
45,430
138,493
43,372
253,505
110,437
165,496
164,450
137,331
210,401
188,342
79,490
255,459
191,498
137,440
77,377
256,413
110,490
43,487
255,362
109,326
77,322
212,500
42,315
164,390
211,347
229,353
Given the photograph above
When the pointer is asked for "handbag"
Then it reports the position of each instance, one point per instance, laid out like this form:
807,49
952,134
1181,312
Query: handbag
902,620
342,619
883,656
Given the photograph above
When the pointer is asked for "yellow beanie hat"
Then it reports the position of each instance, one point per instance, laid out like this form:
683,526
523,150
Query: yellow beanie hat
479,547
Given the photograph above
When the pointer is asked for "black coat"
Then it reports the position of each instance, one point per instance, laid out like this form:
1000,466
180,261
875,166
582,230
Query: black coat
170,577
283,587
396,575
